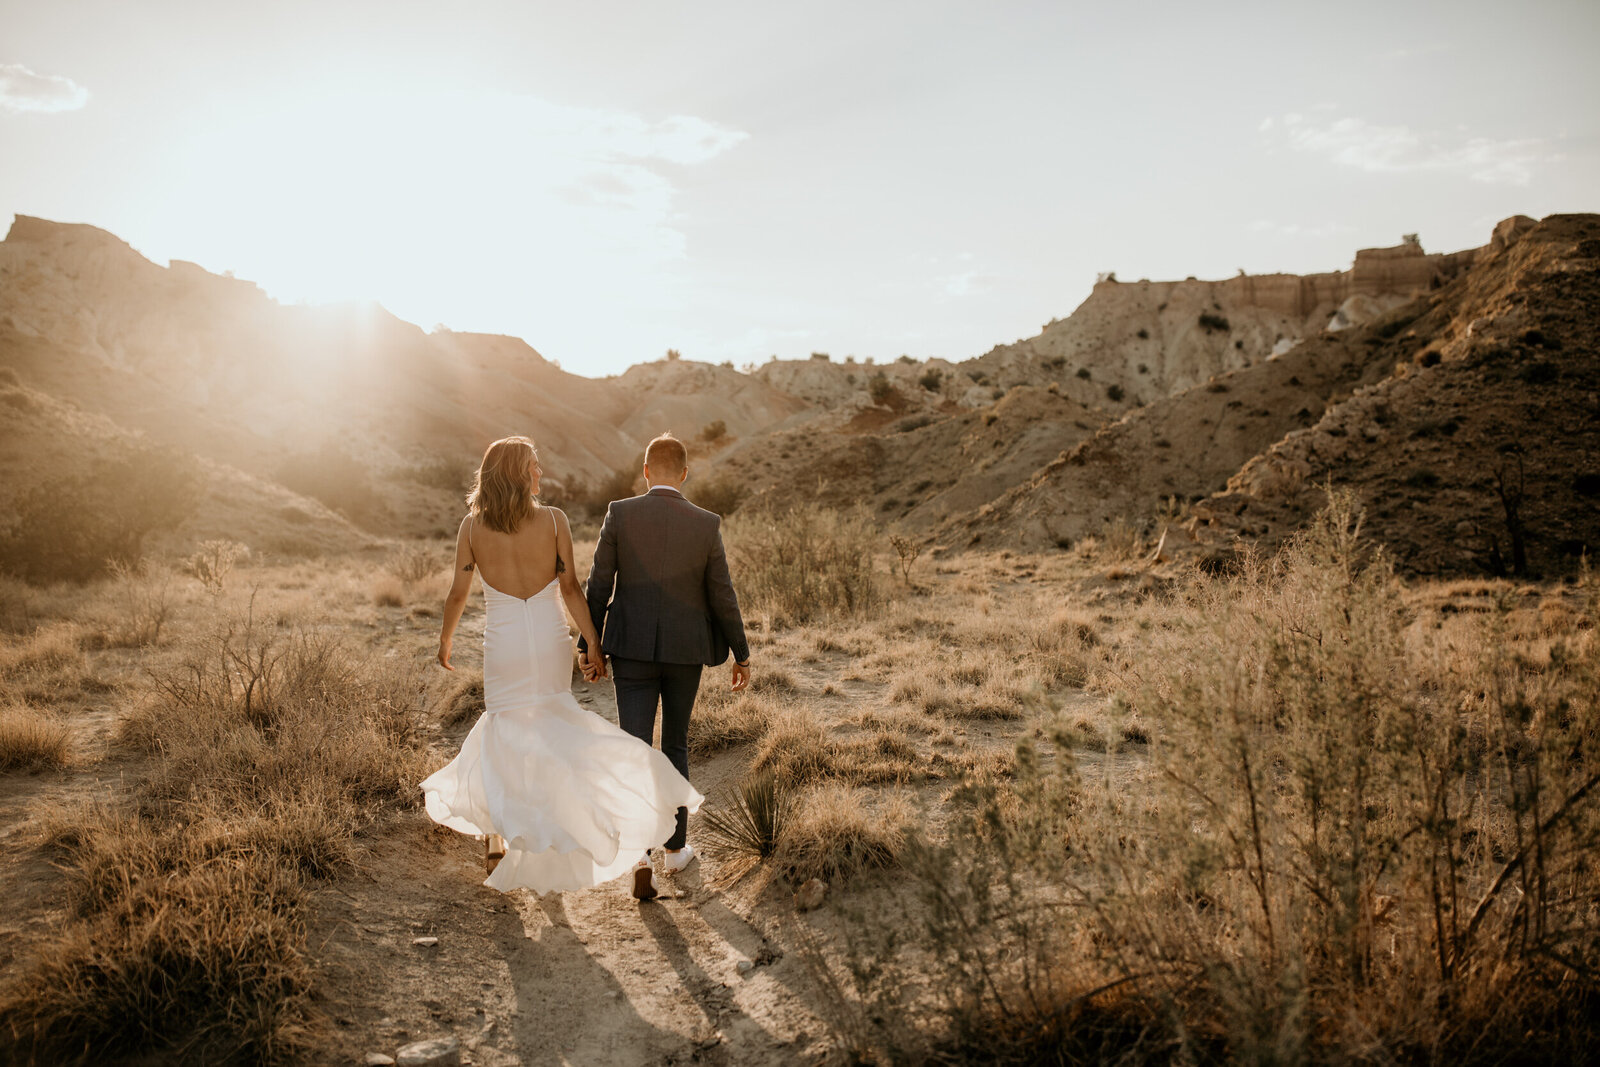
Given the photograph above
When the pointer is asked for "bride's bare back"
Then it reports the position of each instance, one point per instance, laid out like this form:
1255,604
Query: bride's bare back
519,564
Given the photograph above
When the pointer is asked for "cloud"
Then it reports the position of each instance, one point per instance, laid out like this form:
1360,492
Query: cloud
23,90
1378,149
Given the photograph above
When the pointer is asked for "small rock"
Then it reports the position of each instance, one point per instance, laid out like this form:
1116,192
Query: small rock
439,1052
810,895
745,966
425,942
378,1059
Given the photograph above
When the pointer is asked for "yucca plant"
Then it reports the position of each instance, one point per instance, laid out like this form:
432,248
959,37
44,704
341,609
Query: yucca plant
748,828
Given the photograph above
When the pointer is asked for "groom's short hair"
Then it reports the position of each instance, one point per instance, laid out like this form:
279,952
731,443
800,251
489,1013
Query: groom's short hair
666,455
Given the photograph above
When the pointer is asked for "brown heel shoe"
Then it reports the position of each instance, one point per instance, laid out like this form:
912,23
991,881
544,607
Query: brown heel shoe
494,850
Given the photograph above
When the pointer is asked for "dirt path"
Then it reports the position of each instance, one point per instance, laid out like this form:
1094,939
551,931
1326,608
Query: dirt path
590,977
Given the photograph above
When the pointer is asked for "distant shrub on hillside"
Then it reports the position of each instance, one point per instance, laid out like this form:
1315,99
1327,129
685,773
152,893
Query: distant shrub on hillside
1212,323
822,356
1083,372
721,494
905,359
1114,393
441,472
340,481
673,355
880,388
1144,334
76,527
930,380
714,431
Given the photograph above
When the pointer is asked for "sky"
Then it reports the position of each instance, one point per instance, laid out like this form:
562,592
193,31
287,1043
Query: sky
738,180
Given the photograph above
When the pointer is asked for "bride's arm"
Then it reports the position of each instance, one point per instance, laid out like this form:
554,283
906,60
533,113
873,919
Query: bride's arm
571,591
455,601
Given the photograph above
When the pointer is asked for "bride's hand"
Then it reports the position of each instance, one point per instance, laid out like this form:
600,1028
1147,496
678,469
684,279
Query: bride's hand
444,655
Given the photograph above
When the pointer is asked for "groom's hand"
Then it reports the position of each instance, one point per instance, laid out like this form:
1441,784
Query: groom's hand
741,676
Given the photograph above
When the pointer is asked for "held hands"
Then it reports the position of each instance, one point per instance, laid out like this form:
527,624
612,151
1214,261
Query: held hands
593,670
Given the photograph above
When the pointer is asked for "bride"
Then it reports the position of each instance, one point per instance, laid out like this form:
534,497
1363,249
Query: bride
563,798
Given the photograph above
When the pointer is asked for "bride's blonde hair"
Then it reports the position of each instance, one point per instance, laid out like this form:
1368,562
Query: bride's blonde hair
502,491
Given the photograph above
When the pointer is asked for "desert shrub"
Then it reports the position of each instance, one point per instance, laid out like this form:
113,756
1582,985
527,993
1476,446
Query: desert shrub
821,356
931,380
142,600
721,494
213,561
340,481
1211,322
453,475
722,720
749,824
880,389
465,701
834,834
206,965
1144,334
1083,372
803,563
73,528
673,355
915,422
31,739
1115,393
714,431
414,563
801,750
1360,839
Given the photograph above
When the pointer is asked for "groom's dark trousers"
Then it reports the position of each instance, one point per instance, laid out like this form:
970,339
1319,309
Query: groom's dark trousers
641,685
660,595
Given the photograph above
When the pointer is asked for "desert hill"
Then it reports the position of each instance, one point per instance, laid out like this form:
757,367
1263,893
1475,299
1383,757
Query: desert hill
1483,452
1421,410
1134,342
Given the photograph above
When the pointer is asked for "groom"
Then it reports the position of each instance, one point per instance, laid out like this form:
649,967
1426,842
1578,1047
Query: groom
664,605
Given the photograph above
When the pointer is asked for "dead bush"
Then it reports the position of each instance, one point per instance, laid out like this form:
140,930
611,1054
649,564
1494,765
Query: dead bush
803,564
31,739
835,833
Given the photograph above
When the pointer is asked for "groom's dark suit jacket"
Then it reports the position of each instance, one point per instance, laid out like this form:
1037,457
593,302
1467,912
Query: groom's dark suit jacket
659,590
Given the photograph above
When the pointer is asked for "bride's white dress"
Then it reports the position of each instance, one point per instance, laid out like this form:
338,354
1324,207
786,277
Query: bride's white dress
577,799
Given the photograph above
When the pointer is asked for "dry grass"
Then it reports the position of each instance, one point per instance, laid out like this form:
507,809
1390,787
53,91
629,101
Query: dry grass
803,564
723,720
836,831
801,750
268,747
31,739
1353,832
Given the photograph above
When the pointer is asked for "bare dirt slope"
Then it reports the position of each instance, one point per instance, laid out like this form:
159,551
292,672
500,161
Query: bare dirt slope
1183,446
1500,411
918,469
46,442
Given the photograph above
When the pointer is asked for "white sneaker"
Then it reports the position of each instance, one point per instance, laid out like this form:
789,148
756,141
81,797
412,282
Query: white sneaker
673,862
